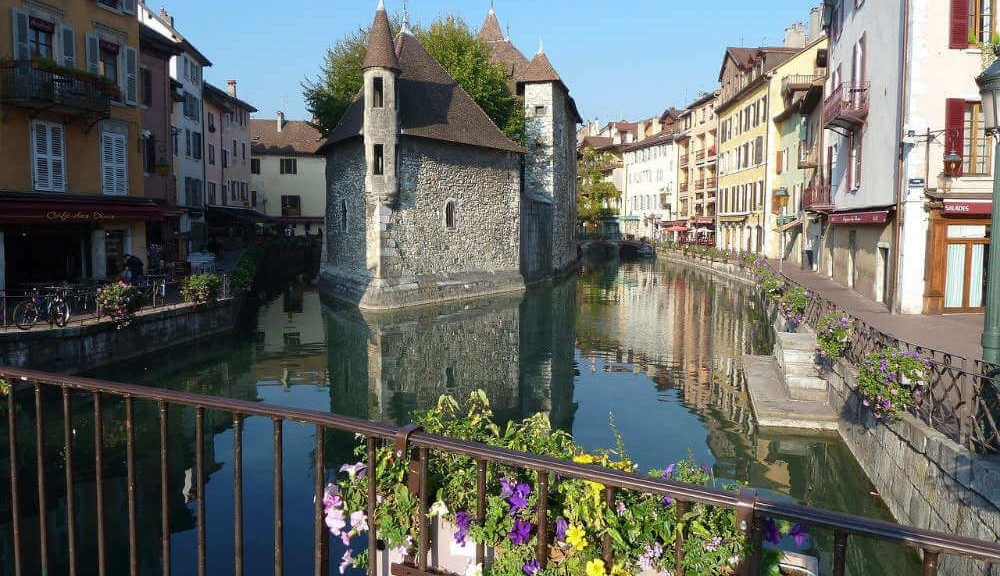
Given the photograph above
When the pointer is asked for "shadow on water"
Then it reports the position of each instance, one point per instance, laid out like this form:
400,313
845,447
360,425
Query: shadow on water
654,344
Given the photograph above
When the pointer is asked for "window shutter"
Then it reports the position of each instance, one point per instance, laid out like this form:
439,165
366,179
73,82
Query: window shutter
21,49
68,37
959,29
954,123
121,166
131,76
40,153
107,163
128,6
57,157
93,54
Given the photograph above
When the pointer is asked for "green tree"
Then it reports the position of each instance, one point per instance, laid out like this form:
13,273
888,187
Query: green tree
450,41
596,194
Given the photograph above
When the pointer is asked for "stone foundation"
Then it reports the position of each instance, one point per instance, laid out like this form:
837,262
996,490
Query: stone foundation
429,289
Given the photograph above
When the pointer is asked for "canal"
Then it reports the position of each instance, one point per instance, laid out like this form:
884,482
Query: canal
654,347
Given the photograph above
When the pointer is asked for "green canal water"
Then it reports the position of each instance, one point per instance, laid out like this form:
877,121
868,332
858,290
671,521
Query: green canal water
654,345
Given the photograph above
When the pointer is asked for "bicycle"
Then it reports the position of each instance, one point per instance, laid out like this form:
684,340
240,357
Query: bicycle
52,307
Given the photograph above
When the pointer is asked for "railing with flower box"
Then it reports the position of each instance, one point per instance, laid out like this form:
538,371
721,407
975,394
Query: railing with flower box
409,452
847,106
30,83
699,185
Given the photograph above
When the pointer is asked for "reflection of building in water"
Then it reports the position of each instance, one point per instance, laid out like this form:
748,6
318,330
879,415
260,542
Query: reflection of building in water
293,320
517,348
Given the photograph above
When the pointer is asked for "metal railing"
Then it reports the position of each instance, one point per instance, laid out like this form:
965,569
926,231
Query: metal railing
21,82
157,292
847,106
33,394
797,82
817,196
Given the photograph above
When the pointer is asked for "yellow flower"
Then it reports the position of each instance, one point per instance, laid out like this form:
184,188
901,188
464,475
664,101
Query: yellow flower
617,570
596,568
597,487
576,537
584,459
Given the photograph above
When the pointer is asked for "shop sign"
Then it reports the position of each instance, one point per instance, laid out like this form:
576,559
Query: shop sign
960,207
65,216
880,217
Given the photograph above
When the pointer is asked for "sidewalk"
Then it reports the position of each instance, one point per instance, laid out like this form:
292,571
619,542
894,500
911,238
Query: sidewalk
958,334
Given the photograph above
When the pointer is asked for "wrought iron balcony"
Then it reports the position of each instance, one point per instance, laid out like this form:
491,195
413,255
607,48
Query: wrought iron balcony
816,198
24,83
808,156
685,161
709,184
699,156
683,187
847,106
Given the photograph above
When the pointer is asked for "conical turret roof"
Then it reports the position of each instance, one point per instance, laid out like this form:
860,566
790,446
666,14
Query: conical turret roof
381,53
491,30
540,70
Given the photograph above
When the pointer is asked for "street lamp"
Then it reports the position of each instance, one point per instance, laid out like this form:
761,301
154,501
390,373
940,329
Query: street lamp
989,89
952,164
781,199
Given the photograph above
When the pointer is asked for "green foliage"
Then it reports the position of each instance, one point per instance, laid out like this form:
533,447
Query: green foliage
450,41
834,333
4,391
120,302
890,381
642,527
201,288
595,193
245,271
792,304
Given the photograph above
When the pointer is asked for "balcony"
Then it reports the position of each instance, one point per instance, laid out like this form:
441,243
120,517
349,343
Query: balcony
24,83
699,156
808,157
712,152
683,187
847,107
797,83
699,185
710,184
816,198
685,161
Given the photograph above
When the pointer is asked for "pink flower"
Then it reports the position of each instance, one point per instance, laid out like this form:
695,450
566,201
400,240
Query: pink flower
359,521
348,561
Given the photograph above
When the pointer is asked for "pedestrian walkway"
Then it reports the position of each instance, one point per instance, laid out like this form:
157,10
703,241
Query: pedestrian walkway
958,334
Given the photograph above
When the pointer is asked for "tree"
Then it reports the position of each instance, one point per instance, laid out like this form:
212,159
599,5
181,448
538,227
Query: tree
596,193
450,41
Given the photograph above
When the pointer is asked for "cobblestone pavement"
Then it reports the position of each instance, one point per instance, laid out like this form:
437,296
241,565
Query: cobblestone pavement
958,334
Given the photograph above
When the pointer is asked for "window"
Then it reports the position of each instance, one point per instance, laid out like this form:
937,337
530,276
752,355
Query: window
977,150
981,22
147,87
149,154
291,206
174,144
187,142
211,122
378,168
255,165
114,166
449,215
211,193
539,110
48,156
225,158
343,215
192,107
211,154
378,98
243,148
196,142
40,37
109,60
253,198
289,166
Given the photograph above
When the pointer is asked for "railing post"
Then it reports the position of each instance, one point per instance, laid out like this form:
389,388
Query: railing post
70,486
99,481
748,524
481,508
930,563
279,505
321,536
839,553
164,492
543,519
681,510
425,532
371,506
15,508
606,552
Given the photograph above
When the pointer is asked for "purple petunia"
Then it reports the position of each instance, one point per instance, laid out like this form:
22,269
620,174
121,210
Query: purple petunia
561,527
706,469
520,533
771,532
519,499
531,568
463,521
667,501
508,488
669,471
799,534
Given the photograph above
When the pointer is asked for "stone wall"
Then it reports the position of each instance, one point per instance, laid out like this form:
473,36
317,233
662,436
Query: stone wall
345,263
79,349
536,237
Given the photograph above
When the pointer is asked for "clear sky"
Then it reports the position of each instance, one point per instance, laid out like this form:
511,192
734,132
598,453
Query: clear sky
630,58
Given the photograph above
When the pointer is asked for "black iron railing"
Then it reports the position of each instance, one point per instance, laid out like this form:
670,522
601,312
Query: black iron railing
22,82
32,392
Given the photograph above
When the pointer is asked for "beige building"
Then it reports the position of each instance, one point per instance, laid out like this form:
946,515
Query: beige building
287,178
698,174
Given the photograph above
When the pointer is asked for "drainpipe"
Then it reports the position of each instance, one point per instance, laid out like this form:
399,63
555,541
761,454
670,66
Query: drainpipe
896,306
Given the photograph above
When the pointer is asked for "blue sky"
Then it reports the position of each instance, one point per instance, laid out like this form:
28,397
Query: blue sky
631,58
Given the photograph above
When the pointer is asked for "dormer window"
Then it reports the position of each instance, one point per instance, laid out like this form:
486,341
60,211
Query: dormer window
378,168
378,93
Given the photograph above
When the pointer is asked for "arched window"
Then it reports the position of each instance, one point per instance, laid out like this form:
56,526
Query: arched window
343,215
449,215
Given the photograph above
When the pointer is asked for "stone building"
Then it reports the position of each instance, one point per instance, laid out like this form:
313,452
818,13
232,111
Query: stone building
428,200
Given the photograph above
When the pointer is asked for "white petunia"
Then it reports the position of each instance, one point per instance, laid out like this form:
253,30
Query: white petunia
438,509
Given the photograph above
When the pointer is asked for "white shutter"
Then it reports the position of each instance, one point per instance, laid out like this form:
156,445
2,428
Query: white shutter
40,155
128,6
121,164
68,37
107,163
93,54
57,157
22,51
131,76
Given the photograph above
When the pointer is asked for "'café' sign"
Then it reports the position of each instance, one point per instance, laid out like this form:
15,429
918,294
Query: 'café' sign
89,216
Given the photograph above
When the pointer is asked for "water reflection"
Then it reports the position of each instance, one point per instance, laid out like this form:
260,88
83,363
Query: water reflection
655,345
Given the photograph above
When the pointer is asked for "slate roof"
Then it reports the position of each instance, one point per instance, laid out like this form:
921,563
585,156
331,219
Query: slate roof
380,52
597,142
431,105
297,138
653,140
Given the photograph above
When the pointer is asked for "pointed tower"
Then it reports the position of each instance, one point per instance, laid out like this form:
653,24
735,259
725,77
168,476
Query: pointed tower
381,117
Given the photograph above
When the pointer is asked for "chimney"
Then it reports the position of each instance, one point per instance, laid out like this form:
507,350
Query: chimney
795,37
815,23
281,120
167,17
231,88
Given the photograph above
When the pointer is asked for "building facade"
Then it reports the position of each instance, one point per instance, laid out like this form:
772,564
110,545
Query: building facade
698,170
71,177
287,177
650,185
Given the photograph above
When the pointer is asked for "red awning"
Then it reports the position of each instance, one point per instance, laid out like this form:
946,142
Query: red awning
969,207
677,229
35,208
869,217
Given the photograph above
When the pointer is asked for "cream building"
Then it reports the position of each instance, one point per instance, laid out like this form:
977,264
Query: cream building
287,178
698,169
650,184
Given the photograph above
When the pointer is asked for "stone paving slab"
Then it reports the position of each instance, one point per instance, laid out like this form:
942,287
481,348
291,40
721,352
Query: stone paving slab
774,408
957,334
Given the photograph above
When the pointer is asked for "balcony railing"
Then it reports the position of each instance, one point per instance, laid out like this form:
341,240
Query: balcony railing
683,187
699,185
808,156
796,82
710,184
847,106
685,161
22,83
713,152
816,198
699,156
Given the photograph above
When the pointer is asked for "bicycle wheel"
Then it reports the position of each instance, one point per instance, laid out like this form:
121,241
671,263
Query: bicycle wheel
60,312
25,315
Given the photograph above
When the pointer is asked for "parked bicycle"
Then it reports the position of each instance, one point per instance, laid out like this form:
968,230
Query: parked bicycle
51,307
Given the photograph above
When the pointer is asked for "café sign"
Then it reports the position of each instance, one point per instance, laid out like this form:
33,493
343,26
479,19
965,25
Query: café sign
857,218
968,207
78,216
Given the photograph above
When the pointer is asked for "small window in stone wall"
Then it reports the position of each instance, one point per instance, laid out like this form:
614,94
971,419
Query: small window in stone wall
343,215
378,93
449,215
539,110
378,168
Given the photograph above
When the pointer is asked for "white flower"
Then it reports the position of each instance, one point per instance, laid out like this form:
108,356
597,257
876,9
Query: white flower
474,570
439,509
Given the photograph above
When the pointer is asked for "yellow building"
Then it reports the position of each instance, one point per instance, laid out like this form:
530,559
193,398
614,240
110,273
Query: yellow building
71,175
743,113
